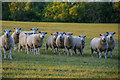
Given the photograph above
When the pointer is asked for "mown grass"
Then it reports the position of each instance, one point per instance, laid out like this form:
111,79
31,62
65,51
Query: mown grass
52,65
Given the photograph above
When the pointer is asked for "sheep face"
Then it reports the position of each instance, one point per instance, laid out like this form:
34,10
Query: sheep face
103,37
82,38
110,35
60,34
34,30
7,33
17,30
54,35
42,34
69,35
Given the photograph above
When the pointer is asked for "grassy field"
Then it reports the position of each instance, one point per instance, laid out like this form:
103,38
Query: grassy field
52,65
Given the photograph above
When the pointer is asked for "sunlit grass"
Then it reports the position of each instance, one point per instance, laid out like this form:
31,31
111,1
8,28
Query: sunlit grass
52,65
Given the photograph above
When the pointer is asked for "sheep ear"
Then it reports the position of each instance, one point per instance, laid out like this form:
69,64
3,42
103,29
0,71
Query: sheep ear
30,33
51,34
64,33
80,36
14,28
39,31
45,32
71,33
100,34
3,30
57,32
26,33
20,29
114,33
9,30
107,32
30,28
84,36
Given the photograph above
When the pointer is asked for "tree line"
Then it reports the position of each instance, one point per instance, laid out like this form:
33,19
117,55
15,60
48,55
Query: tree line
77,12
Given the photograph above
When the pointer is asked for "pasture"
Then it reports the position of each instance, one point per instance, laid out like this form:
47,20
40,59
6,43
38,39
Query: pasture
52,65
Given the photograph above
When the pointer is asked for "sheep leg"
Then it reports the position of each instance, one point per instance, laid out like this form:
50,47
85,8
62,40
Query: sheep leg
10,52
32,50
111,53
46,48
5,53
53,49
27,49
92,52
100,54
75,51
78,51
67,52
35,51
19,48
15,46
105,54
61,51
82,52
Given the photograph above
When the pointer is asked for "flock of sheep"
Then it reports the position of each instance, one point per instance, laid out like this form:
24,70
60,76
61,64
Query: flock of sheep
32,42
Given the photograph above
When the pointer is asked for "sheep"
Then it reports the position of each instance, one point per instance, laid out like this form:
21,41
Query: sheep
34,31
60,41
99,45
51,42
15,36
111,42
69,42
22,38
22,41
35,41
6,43
79,43
82,40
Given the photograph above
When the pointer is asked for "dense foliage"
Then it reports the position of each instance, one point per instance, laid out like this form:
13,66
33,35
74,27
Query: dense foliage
81,12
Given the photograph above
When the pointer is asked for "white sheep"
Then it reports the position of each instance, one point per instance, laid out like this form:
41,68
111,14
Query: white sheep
15,36
99,45
35,41
111,42
60,41
22,38
69,42
51,42
34,31
6,43
22,41
79,43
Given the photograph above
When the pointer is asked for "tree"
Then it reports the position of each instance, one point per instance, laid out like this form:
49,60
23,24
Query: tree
5,11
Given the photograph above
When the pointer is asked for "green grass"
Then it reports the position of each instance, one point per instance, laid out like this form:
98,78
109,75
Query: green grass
52,65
